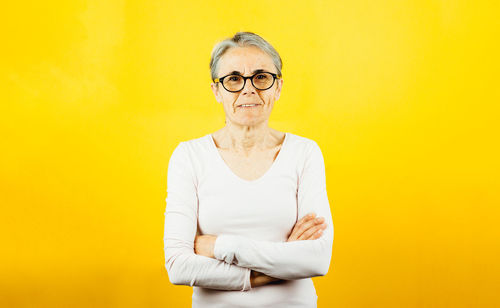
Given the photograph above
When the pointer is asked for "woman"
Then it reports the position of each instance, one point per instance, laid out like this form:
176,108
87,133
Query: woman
236,223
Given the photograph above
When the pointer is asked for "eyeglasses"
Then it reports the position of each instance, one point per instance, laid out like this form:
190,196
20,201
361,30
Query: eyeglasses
236,83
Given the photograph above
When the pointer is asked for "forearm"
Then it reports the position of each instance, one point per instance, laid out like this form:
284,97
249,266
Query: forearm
283,260
258,279
204,246
184,267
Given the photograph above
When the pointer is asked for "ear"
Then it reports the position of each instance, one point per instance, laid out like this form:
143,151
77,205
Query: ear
279,85
215,89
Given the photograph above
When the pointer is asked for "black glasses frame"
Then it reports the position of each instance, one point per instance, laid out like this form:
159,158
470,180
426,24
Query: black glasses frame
221,80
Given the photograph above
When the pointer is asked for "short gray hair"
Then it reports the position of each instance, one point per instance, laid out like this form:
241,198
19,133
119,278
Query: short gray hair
243,39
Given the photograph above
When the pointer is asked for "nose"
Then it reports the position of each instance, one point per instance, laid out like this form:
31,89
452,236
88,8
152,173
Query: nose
248,88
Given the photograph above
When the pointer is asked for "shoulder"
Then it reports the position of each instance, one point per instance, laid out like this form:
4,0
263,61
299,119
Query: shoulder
308,155
195,145
197,151
301,144
192,154
306,152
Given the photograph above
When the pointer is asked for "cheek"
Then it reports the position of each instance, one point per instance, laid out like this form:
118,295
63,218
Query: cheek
268,99
229,99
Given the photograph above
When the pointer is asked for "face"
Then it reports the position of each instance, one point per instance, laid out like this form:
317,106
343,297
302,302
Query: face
246,60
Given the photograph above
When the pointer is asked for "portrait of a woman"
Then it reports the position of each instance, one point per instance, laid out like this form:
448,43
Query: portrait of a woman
247,219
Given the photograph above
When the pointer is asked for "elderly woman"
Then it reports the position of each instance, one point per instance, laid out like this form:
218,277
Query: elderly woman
247,220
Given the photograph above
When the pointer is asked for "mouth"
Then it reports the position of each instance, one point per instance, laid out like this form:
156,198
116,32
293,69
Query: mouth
249,106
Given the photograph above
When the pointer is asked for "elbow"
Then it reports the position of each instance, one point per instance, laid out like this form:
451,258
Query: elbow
316,268
320,270
175,276
323,270
175,280
175,266
322,266
171,273
179,262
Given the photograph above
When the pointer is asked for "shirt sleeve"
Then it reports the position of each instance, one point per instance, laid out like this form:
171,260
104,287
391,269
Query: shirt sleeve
184,267
295,259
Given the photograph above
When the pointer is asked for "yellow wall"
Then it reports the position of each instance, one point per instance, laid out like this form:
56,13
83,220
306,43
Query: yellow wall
402,96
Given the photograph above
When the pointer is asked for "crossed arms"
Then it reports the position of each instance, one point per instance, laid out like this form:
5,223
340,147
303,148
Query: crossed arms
235,256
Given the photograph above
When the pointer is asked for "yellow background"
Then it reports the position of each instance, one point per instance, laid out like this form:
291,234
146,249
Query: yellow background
402,97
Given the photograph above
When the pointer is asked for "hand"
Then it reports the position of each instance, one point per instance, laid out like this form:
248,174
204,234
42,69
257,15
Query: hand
258,279
307,228
204,245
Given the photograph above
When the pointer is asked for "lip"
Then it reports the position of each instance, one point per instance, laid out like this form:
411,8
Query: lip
256,105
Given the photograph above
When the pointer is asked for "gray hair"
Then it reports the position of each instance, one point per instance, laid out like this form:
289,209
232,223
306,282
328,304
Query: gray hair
243,39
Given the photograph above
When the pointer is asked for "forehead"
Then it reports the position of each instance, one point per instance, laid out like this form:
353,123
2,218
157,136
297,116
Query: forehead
245,60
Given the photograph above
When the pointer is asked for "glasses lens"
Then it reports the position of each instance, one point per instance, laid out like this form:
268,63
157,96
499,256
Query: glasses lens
233,82
263,81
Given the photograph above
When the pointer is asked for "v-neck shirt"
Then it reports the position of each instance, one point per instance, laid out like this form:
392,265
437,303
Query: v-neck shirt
238,178
252,220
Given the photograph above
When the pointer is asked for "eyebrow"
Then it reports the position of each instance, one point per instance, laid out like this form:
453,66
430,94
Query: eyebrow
254,72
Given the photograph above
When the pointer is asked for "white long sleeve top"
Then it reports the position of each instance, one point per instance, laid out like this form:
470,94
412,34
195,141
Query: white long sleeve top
252,221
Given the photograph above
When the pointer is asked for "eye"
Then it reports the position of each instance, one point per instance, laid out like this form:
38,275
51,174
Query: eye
234,78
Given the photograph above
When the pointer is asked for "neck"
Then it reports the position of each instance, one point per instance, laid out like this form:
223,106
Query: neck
245,139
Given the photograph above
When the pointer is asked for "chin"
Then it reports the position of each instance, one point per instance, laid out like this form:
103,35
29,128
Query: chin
251,121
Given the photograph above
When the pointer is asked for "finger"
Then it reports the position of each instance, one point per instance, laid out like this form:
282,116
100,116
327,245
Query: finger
303,225
296,229
312,232
308,233
304,219
308,216
317,235
309,224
